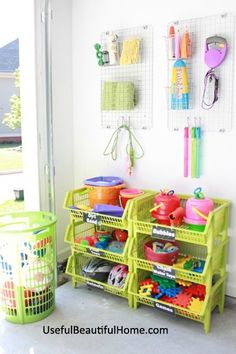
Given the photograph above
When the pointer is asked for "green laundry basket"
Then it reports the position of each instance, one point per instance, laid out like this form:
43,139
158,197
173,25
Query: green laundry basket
27,266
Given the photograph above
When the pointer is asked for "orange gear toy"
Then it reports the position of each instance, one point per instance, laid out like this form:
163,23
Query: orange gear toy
182,300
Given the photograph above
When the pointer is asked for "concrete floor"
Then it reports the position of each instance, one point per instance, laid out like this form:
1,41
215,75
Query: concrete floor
92,308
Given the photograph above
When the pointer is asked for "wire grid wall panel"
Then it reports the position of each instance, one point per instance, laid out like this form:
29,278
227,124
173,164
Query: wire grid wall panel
141,74
219,118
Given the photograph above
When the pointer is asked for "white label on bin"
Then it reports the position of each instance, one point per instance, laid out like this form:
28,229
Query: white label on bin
92,218
95,285
95,252
164,308
163,233
163,271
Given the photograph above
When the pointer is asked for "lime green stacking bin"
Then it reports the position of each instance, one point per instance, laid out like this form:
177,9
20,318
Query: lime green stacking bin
214,298
216,227
79,228
27,266
81,197
74,269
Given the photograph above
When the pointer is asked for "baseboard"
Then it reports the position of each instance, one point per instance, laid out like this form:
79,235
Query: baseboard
231,290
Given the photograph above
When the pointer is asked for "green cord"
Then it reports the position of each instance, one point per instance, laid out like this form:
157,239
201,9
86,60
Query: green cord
112,146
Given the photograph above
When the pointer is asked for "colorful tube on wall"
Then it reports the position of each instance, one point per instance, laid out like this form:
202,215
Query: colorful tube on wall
179,86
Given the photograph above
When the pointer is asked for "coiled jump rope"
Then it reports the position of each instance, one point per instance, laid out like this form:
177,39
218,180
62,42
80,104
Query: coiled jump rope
112,147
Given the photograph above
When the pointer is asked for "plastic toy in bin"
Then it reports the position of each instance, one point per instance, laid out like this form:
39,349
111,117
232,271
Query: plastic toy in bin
127,194
102,239
116,247
104,190
37,275
99,239
97,269
165,203
121,235
197,210
118,275
107,209
86,240
103,181
8,294
176,217
161,251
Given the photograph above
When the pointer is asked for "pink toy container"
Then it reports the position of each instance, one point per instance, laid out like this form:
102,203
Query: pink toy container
197,210
126,194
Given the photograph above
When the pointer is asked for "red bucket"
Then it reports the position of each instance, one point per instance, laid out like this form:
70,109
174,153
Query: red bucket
165,258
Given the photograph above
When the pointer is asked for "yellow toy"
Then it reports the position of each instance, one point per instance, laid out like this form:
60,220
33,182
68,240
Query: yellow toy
146,290
183,282
181,261
195,305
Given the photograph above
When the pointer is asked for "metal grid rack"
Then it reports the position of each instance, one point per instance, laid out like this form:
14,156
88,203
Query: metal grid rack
219,118
140,74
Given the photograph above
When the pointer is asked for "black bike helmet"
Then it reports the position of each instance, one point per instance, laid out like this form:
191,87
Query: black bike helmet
97,269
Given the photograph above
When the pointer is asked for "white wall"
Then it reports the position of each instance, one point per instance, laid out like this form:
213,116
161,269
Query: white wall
162,164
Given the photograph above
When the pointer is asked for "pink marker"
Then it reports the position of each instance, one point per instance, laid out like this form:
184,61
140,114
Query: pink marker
186,135
177,46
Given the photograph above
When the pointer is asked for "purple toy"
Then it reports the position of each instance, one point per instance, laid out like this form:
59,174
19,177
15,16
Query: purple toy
103,181
215,51
108,209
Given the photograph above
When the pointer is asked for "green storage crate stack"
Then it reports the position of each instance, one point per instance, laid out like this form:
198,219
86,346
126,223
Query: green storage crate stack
83,223
209,246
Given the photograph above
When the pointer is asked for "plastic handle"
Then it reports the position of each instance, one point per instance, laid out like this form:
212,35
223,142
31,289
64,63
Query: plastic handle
199,213
156,207
171,192
198,193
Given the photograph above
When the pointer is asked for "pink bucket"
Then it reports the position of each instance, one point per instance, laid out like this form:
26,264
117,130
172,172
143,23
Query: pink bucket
126,194
197,210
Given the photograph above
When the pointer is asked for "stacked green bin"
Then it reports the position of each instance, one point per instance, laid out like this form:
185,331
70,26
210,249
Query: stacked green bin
83,223
209,245
27,266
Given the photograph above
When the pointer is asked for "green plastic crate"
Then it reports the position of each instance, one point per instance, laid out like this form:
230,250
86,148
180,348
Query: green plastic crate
74,269
214,263
81,197
217,223
27,265
79,228
214,298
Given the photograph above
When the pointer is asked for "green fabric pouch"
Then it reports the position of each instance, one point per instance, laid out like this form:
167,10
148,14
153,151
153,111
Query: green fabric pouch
118,96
